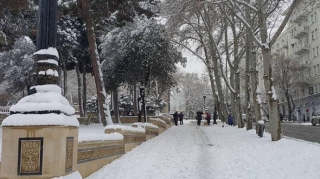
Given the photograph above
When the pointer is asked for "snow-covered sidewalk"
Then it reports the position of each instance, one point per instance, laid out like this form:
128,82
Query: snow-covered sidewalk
199,152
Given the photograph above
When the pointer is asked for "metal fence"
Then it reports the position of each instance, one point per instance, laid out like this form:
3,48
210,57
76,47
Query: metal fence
4,109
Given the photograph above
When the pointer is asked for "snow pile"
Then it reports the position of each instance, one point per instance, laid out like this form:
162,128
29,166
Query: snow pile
47,88
144,125
126,128
157,119
87,137
50,51
48,101
51,119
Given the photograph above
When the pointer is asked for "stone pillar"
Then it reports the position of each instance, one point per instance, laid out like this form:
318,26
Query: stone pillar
40,137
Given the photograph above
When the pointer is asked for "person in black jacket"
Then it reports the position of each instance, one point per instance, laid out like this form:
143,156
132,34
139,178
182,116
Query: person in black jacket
215,115
175,118
199,117
181,118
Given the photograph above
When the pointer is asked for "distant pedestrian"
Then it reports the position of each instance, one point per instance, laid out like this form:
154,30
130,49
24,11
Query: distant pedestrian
175,118
281,117
199,117
181,118
215,115
208,117
304,118
230,120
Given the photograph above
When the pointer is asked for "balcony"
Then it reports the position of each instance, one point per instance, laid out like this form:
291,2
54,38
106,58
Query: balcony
301,13
301,48
275,50
284,44
300,32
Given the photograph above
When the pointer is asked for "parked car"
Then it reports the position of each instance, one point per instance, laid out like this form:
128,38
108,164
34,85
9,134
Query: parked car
315,119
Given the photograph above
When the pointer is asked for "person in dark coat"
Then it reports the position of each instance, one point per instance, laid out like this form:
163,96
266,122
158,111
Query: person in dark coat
230,120
208,117
181,118
215,115
199,117
175,118
281,117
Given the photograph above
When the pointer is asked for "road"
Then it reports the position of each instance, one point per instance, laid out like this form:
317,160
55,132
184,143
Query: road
300,131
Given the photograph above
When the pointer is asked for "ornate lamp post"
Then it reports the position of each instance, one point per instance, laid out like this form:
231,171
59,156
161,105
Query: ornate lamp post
41,126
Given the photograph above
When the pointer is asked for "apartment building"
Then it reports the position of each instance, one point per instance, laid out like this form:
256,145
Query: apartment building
301,40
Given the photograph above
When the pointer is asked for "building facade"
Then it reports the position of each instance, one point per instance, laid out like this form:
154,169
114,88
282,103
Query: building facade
301,40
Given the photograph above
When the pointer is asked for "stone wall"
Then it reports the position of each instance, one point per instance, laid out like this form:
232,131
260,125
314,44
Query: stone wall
90,156
93,155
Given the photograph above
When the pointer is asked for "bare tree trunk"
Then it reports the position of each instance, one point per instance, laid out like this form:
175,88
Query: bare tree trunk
135,110
238,116
249,49
116,106
94,59
255,94
275,125
79,89
84,95
65,79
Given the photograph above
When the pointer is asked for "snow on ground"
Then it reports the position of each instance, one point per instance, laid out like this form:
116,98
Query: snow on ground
199,152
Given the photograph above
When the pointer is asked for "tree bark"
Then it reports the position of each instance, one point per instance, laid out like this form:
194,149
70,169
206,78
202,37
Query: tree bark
249,49
84,89
135,101
238,116
116,106
65,78
275,126
255,94
94,59
79,89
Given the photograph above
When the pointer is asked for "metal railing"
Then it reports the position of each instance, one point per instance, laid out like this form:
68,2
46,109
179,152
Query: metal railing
4,110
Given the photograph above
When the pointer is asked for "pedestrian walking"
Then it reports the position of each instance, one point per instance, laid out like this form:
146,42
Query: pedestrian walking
281,117
215,115
181,118
230,120
199,117
208,117
175,118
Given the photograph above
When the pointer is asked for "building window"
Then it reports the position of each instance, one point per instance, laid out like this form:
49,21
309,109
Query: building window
313,17
312,35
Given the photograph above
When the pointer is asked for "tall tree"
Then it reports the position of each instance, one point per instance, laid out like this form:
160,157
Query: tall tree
289,76
264,10
17,65
95,60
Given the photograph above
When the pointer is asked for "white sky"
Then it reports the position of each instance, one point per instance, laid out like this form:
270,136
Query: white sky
194,64
199,152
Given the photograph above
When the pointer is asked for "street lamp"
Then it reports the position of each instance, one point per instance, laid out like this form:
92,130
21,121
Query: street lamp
204,102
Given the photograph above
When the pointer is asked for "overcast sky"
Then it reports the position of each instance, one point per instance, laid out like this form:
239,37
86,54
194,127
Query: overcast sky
194,64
